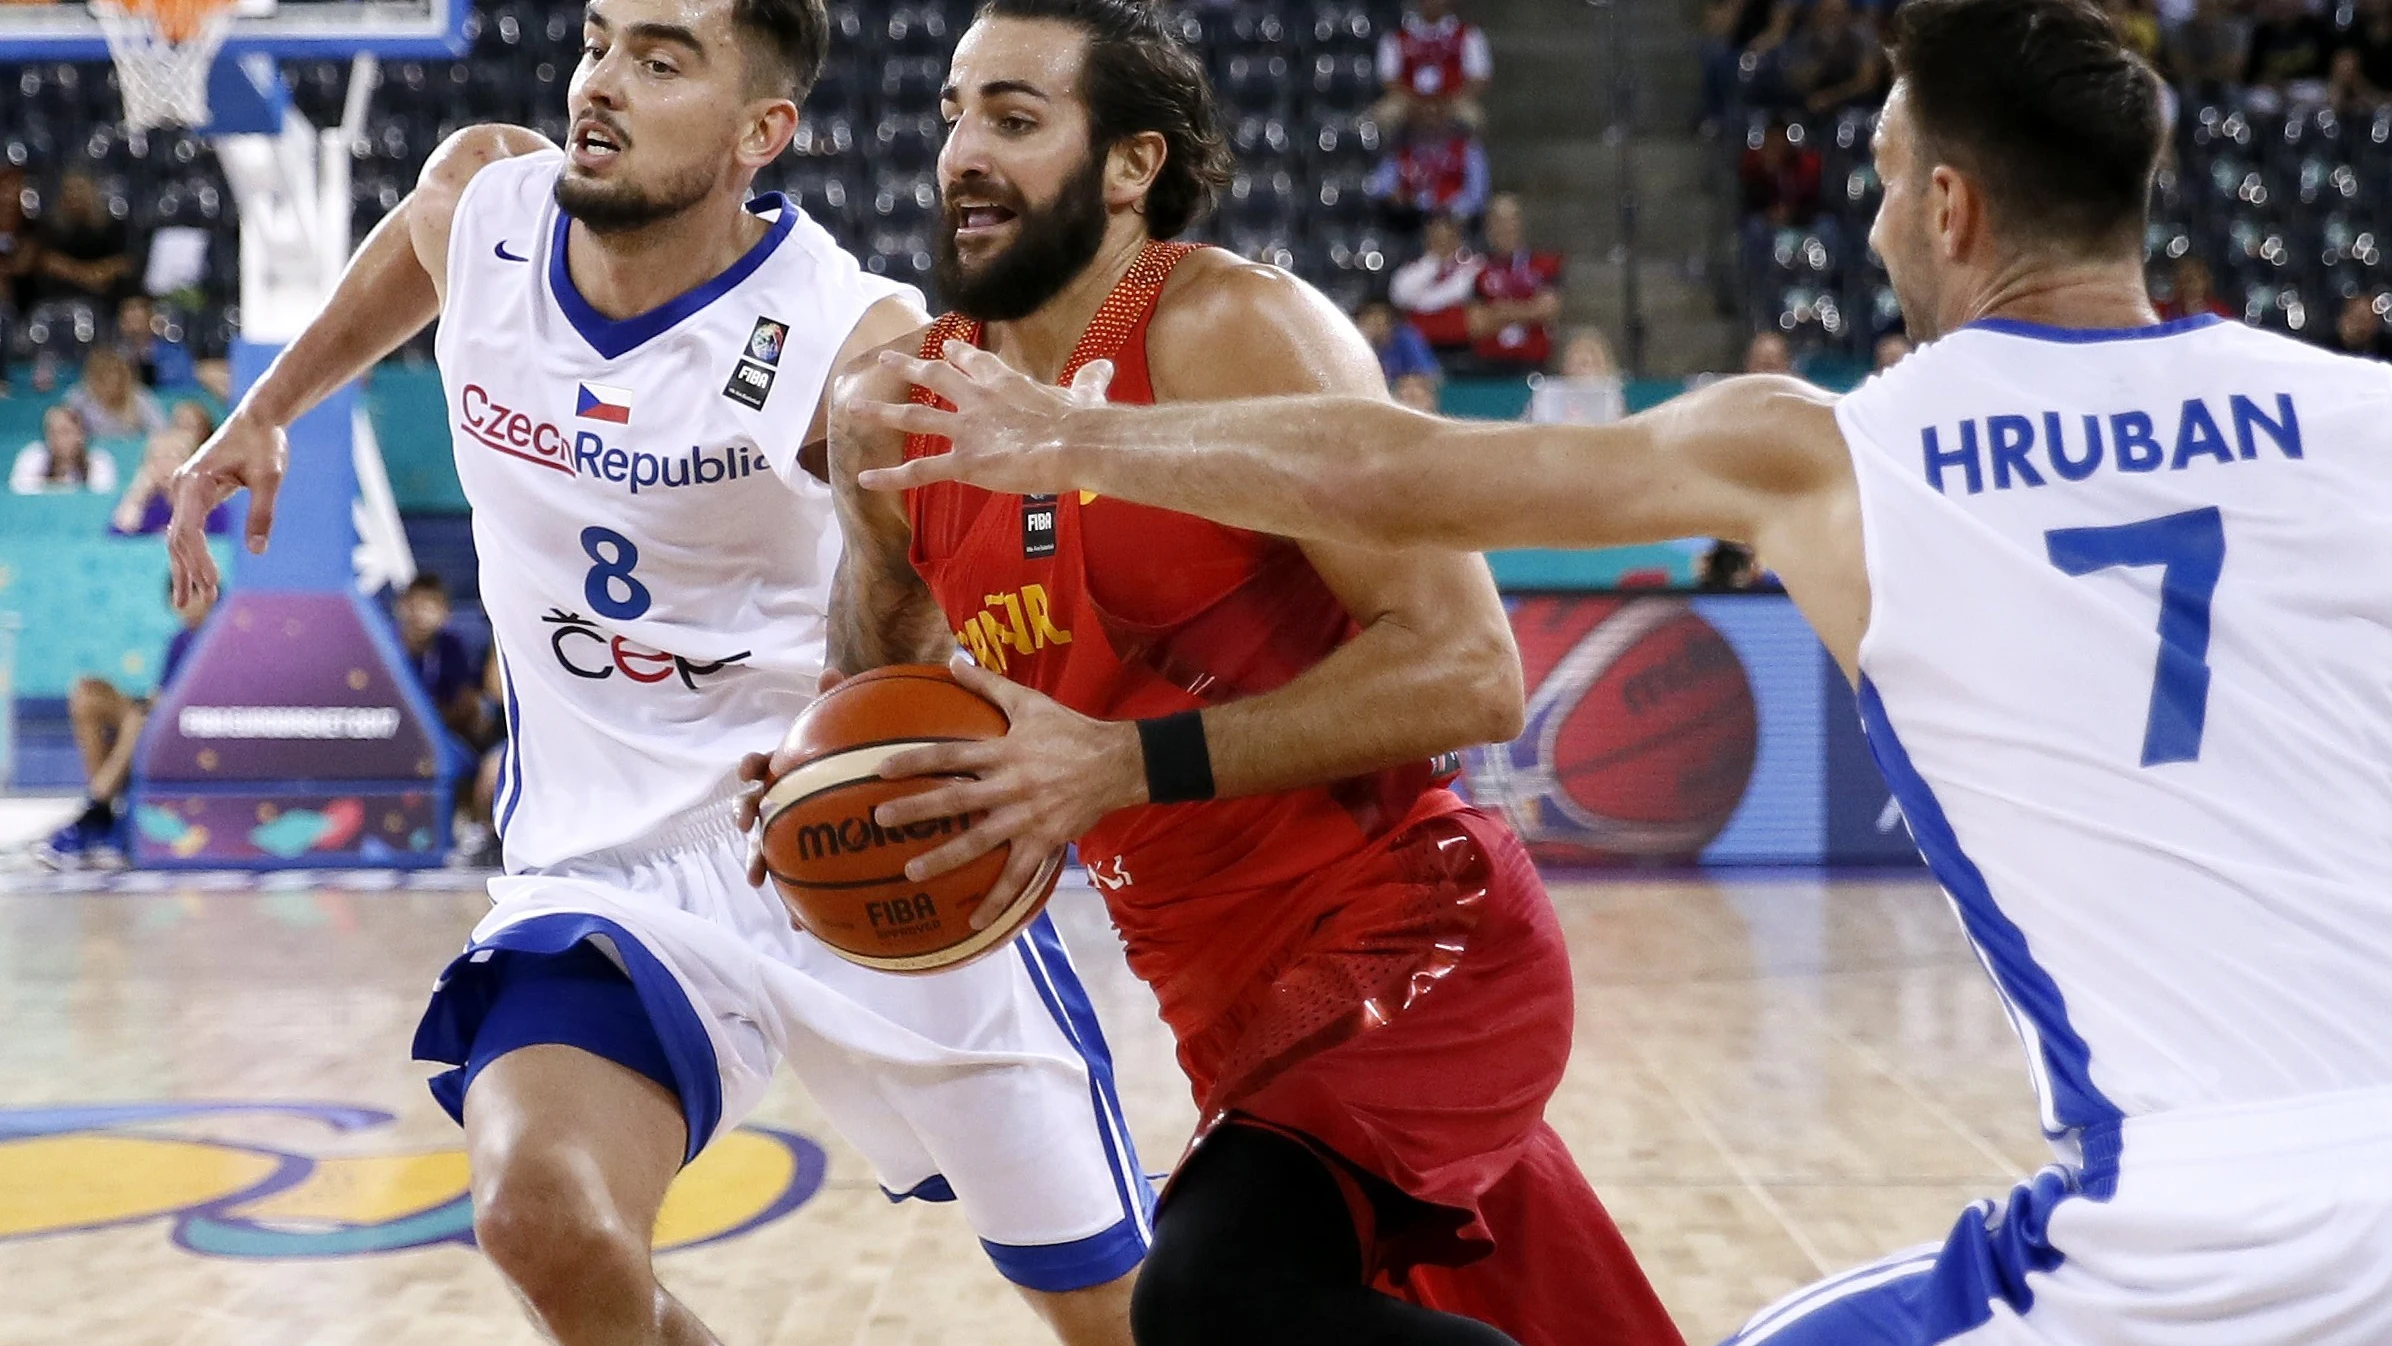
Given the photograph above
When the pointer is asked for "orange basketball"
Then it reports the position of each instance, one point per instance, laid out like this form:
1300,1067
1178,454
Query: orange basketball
841,873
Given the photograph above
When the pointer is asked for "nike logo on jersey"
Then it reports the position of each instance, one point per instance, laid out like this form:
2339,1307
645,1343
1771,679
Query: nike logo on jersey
506,256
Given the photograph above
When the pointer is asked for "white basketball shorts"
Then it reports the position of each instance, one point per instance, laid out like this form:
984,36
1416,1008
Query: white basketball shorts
989,1084
2259,1225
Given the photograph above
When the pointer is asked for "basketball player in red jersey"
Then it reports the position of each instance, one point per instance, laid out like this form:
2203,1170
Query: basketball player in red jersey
1366,981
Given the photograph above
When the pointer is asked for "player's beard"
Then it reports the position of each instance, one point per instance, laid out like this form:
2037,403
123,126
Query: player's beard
620,207
1052,246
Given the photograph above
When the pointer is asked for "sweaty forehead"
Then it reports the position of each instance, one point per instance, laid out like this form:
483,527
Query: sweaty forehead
1041,54
707,20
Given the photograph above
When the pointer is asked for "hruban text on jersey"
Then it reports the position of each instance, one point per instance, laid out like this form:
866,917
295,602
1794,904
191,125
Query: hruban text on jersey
2037,450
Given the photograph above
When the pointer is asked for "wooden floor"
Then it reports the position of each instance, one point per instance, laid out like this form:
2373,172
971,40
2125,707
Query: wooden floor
1775,1078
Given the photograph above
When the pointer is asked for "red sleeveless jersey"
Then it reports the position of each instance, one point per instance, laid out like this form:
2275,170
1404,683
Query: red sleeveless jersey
1120,611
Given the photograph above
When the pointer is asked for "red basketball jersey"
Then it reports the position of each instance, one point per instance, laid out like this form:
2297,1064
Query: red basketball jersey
1121,611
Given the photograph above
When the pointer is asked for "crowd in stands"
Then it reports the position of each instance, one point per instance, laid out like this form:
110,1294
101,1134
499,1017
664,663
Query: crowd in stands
1476,295
2269,207
1357,123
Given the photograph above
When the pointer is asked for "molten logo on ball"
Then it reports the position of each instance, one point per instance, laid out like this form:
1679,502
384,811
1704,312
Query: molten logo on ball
856,835
1641,732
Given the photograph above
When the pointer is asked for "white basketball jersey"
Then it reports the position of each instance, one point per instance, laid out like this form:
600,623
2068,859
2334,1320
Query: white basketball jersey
2129,671
655,564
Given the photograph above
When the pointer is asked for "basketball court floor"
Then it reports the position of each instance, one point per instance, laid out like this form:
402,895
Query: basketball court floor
210,1134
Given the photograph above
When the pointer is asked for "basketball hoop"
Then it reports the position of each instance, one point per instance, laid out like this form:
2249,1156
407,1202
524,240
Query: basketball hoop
163,51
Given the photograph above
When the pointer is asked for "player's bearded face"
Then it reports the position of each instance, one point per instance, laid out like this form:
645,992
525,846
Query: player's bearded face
1053,242
633,194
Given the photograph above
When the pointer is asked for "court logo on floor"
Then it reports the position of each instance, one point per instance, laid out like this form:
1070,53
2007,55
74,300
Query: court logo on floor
272,1180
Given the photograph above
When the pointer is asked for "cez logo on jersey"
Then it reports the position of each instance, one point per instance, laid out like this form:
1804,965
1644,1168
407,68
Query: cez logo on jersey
585,453
587,650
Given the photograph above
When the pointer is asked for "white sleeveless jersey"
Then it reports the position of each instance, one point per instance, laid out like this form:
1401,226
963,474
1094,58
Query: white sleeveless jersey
655,564
2129,671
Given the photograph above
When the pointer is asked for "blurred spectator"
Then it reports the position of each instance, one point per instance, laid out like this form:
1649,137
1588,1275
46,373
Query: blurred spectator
1519,295
1728,27
1588,391
86,252
2359,329
1434,58
107,725
1727,568
2208,50
1400,347
112,402
438,656
2190,292
2369,34
1888,352
1434,290
2289,49
1769,353
460,694
1831,60
147,505
158,359
18,251
1437,168
2137,22
1781,190
2349,92
62,459
1417,391
1781,179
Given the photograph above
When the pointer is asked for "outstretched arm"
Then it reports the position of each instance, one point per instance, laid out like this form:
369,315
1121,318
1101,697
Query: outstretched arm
1715,463
393,286
881,611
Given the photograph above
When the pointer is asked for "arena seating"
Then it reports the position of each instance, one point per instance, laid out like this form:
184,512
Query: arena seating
2287,207
1296,76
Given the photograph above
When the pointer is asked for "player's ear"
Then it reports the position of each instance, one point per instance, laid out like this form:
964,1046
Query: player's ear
1953,210
771,125
1132,166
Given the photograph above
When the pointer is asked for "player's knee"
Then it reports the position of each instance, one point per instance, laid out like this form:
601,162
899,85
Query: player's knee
552,1234
88,697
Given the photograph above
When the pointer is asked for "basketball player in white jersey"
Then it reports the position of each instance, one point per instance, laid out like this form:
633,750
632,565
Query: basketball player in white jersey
635,356
2117,598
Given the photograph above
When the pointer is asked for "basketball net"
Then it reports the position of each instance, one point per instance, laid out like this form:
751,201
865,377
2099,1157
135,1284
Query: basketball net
163,51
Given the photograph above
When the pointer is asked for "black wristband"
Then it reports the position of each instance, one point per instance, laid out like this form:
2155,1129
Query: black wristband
1179,767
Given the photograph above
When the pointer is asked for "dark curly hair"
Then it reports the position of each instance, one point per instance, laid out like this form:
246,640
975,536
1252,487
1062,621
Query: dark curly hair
1142,76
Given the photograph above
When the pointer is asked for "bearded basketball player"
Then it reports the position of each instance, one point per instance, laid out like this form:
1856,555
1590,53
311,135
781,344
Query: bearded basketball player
635,358
2116,594
1338,943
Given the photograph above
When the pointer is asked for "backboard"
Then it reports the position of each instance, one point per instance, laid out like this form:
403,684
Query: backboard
65,30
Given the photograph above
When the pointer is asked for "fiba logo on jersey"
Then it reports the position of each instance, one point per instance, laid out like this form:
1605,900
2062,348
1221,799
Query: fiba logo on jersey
1641,732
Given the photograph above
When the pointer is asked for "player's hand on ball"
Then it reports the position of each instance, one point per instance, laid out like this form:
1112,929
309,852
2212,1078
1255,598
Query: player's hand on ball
244,452
1042,786
1007,429
757,772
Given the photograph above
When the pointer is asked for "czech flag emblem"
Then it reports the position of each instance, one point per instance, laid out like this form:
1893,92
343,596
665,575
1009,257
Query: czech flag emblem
602,403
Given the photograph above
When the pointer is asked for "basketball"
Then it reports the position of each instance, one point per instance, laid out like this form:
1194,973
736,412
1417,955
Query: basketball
842,874
1641,738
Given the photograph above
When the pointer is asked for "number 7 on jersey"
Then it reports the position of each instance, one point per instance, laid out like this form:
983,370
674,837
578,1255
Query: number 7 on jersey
2190,548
